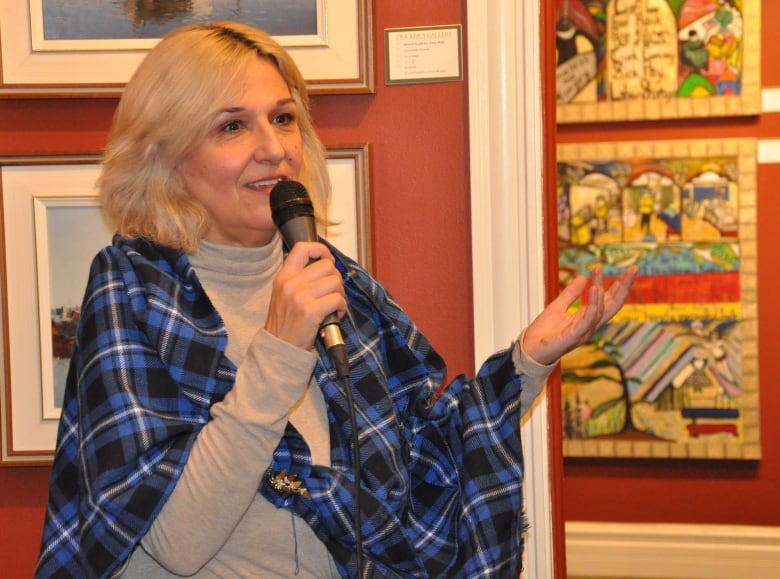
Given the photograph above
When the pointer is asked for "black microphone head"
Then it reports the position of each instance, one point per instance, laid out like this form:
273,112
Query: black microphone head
290,199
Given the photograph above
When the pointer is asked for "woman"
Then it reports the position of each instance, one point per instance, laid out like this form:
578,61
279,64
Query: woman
204,432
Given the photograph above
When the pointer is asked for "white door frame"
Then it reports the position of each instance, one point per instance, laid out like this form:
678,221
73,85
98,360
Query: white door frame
506,161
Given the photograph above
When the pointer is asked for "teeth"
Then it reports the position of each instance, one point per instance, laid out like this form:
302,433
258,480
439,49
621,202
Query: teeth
261,184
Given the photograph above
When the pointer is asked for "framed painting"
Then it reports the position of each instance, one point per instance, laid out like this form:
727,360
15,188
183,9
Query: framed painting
350,204
675,373
621,60
50,229
51,48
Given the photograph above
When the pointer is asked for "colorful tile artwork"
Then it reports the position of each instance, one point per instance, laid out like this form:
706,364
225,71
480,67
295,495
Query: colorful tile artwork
675,374
657,59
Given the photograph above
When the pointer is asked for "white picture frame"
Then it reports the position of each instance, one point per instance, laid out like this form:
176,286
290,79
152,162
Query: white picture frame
336,60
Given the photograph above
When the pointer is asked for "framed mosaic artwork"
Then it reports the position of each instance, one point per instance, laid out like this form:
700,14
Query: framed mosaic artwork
675,373
620,60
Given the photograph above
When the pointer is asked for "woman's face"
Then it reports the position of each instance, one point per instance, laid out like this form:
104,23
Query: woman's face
251,145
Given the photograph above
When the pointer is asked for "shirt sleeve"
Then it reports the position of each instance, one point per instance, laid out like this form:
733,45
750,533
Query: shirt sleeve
535,374
230,456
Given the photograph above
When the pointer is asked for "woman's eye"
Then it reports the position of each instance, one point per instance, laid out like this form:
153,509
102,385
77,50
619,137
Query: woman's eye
232,126
283,119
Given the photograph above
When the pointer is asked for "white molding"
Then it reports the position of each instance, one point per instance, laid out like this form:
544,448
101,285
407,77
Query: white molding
505,122
770,100
672,551
769,151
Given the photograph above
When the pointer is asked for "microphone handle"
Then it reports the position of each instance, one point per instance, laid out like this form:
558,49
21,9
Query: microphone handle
304,229
333,339
331,336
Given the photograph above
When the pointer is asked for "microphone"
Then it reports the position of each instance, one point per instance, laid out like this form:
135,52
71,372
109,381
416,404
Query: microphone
293,214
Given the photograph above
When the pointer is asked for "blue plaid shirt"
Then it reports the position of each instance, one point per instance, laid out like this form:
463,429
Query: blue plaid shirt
441,480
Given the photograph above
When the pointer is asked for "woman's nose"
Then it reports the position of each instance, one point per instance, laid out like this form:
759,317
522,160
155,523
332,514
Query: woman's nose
269,147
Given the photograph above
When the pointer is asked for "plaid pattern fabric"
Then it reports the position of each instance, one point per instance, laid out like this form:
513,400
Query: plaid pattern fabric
148,362
440,482
441,488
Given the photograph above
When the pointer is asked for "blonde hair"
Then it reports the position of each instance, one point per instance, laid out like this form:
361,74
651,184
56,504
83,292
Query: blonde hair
164,114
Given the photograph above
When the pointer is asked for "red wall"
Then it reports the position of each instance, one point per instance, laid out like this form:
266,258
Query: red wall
716,492
419,209
420,199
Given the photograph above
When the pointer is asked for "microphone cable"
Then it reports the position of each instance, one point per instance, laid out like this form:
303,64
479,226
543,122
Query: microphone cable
357,515
293,214
337,353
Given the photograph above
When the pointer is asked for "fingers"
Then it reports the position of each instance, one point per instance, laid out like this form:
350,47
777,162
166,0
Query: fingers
591,314
597,276
596,301
303,252
603,305
620,289
618,292
311,271
304,292
556,331
571,293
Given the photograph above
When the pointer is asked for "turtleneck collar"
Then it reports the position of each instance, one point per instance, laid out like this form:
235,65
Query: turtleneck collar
239,261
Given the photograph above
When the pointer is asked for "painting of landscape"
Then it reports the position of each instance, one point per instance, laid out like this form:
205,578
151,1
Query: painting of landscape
675,373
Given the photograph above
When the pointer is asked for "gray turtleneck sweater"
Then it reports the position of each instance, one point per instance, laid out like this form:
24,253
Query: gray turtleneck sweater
215,523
